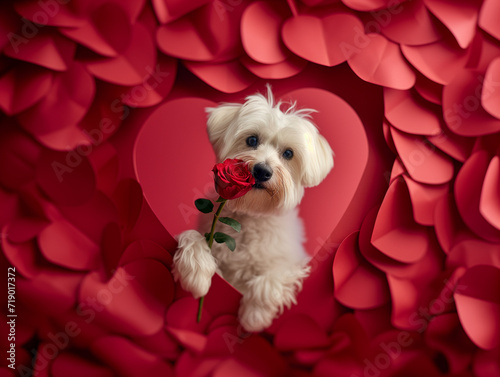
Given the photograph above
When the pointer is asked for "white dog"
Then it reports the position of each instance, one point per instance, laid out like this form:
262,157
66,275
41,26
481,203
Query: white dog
285,153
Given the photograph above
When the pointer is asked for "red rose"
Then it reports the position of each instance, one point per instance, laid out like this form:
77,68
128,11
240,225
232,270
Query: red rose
232,178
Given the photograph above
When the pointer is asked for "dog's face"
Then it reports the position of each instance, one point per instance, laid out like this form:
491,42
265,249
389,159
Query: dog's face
284,150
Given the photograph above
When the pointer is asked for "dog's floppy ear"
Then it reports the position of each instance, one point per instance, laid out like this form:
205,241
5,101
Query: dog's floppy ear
319,160
219,119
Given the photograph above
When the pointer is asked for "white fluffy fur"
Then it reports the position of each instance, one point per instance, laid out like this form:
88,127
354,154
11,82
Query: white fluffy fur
269,263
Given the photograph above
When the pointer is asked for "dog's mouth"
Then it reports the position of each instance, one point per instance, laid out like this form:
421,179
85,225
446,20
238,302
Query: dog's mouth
259,186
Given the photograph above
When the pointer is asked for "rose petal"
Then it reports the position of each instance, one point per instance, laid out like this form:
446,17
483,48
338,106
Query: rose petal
63,105
438,61
127,359
462,108
478,305
459,17
487,20
132,65
409,113
107,30
260,32
395,227
380,62
358,285
47,48
298,332
408,24
423,162
282,70
490,95
336,36
468,186
145,285
228,77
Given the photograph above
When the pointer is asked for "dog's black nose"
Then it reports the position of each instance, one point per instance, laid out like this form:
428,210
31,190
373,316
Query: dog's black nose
262,172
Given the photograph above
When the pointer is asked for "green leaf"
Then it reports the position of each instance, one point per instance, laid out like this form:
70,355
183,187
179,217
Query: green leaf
220,237
204,205
207,236
231,222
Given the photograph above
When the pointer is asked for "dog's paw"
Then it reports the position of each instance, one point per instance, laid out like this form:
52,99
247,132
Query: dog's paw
255,318
194,266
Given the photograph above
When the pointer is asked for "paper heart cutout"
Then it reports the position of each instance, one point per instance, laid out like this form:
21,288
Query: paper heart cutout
260,32
106,30
410,23
490,95
169,10
132,65
335,37
438,61
380,62
206,34
459,17
369,5
23,86
173,203
358,284
487,18
70,364
282,70
145,285
48,49
489,204
227,77
477,297
129,360
300,331
409,113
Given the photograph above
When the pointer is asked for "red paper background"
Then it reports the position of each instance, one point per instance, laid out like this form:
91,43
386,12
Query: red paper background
103,149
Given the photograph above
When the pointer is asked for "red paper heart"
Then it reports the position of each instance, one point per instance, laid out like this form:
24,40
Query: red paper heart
477,298
173,203
488,20
260,32
335,37
144,285
380,62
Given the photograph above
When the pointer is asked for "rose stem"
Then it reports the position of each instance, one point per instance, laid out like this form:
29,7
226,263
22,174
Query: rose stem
210,243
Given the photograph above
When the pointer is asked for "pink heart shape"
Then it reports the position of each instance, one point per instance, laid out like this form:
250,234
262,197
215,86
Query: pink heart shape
334,35
171,192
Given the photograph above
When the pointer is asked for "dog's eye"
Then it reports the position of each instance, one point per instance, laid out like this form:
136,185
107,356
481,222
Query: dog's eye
252,141
288,154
